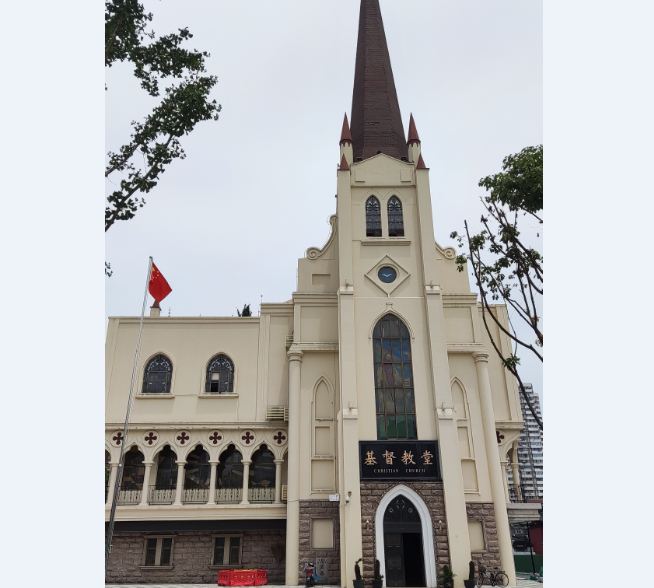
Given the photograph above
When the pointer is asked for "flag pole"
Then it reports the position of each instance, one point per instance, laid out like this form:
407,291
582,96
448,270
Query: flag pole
121,459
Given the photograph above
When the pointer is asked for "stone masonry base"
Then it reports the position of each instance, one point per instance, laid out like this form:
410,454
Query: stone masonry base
192,553
485,512
320,509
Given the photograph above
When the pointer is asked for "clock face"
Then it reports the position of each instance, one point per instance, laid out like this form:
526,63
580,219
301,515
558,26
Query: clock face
387,274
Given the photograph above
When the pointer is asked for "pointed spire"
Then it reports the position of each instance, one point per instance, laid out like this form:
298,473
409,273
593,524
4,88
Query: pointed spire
421,163
344,166
413,133
376,120
346,136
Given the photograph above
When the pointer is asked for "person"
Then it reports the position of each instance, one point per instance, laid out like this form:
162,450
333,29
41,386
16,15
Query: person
310,574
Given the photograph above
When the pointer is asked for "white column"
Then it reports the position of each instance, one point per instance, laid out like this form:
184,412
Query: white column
146,483
505,478
494,468
246,482
212,483
278,481
293,490
179,489
112,483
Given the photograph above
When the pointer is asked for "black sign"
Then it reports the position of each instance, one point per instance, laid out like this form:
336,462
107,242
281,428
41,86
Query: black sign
399,460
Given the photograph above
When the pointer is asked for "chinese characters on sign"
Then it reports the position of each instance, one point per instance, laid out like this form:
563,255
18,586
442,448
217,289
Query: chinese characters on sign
399,460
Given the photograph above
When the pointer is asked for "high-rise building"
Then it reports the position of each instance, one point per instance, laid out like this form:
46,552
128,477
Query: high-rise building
530,451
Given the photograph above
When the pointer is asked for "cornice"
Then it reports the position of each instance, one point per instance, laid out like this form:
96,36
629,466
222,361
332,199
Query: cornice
181,320
510,425
307,347
454,299
178,426
465,348
315,298
277,308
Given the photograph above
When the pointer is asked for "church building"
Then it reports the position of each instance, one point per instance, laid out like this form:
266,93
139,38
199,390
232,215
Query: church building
368,416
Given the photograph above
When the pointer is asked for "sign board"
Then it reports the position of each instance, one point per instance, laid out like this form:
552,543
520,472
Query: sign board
334,497
321,568
399,460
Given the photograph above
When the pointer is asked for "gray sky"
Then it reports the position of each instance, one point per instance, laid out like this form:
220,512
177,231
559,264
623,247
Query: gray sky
229,222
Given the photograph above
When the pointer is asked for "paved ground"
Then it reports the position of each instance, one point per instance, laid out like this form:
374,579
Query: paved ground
521,584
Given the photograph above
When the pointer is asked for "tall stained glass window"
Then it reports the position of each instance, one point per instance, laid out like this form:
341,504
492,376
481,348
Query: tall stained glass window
220,375
394,393
395,220
373,218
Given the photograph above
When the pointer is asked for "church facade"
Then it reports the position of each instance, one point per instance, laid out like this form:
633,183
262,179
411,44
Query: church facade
366,417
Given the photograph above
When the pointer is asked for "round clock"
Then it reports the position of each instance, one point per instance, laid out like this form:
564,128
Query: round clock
387,274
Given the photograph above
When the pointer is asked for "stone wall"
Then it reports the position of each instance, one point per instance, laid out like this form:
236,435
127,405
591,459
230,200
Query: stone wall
192,553
431,493
485,512
320,509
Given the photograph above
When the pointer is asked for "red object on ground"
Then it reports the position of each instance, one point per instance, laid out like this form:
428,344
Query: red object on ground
536,538
242,578
158,286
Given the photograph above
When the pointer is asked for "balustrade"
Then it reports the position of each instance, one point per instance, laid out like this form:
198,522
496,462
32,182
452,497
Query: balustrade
229,494
129,494
195,495
162,494
261,494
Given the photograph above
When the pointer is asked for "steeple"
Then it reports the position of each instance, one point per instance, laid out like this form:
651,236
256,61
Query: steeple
413,142
376,120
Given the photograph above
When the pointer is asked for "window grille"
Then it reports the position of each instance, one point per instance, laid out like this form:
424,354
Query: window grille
373,218
395,220
220,375
157,376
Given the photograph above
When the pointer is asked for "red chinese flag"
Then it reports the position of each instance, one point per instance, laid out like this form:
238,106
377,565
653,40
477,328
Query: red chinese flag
158,287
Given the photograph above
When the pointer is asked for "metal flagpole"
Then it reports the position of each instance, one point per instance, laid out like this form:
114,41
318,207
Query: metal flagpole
121,460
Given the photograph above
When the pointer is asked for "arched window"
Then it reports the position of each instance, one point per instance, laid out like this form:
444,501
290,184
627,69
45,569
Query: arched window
373,218
395,399
262,472
220,375
157,376
133,471
395,220
197,469
166,469
230,469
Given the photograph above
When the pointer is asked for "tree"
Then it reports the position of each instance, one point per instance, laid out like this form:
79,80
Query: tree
245,312
155,142
505,269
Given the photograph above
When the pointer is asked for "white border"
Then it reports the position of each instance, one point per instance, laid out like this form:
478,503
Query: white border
427,532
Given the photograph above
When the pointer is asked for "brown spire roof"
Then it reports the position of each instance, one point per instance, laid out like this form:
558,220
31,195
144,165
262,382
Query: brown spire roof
346,136
344,166
376,120
421,163
413,133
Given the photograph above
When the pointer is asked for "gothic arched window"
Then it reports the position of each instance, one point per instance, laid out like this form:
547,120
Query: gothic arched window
394,393
373,218
197,471
158,375
262,473
220,375
230,469
133,470
166,469
395,220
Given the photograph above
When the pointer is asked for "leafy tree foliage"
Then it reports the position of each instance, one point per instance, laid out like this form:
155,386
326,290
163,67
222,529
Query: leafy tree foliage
245,312
155,142
505,269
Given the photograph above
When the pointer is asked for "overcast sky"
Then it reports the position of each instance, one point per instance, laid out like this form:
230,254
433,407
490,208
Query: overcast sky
229,222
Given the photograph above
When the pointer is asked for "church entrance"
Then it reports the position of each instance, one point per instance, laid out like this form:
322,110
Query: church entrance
403,549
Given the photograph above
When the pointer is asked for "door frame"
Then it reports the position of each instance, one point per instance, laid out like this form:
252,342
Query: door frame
428,553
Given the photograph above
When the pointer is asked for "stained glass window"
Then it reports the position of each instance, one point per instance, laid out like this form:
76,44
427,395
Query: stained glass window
395,220
157,376
197,469
394,391
230,469
373,218
220,375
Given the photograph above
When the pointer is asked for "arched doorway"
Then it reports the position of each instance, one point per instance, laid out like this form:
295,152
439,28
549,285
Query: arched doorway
403,550
427,553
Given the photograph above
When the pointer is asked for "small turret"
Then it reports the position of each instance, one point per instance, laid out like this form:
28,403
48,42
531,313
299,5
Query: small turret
413,142
346,143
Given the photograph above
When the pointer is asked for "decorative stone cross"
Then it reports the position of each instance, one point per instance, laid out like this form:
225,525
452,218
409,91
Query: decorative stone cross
248,438
279,438
118,438
183,438
215,438
150,438
500,436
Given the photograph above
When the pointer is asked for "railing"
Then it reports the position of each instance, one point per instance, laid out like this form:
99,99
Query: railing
161,495
196,495
129,494
261,494
525,494
229,494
